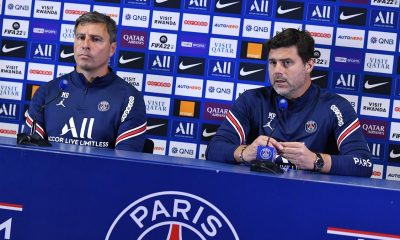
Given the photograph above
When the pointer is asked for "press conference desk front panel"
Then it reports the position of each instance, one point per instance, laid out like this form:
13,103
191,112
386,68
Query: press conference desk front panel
71,192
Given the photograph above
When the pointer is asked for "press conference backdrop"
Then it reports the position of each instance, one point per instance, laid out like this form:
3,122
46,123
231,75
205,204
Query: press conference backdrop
192,58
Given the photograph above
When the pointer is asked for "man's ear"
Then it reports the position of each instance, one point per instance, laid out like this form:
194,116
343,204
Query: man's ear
113,48
310,65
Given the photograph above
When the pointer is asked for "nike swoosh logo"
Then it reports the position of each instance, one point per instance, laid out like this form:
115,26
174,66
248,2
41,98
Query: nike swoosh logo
65,55
154,126
208,134
394,155
161,1
283,11
345,17
245,73
123,61
5,49
317,77
184,67
369,86
224,5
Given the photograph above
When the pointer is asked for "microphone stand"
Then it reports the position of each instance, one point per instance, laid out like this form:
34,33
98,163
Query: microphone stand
34,139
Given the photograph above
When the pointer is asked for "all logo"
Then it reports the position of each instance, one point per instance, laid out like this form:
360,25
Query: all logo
160,214
384,19
9,110
346,81
321,12
184,129
202,5
161,62
85,130
221,68
259,8
44,51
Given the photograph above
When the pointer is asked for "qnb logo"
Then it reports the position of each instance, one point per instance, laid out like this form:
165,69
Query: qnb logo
171,215
375,40
196,23
18,7
219,90
85,130
176,150
250,28
135,17
40,72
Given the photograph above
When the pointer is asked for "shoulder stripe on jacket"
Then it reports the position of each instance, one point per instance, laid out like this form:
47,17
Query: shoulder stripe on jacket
237,126
131,133
347,131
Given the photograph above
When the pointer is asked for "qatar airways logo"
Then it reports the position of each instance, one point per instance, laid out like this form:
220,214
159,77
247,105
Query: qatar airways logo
374,128
163,213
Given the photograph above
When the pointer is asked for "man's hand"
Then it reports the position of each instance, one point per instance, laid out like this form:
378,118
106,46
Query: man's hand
298,154
250,152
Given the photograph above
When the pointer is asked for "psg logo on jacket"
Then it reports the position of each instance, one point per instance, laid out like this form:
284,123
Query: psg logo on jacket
311,126
171,215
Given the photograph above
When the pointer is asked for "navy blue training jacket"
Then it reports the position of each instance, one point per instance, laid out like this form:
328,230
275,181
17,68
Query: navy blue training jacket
324,121
107,113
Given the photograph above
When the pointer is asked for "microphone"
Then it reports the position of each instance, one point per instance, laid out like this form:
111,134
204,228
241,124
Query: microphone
266,155
31,139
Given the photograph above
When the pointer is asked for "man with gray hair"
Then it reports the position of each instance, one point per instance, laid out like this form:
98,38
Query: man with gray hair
97,108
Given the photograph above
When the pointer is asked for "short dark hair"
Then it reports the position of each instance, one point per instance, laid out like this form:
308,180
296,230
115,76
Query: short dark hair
96,17
293,37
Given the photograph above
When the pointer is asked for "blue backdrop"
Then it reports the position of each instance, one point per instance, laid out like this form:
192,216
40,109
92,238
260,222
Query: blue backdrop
192,58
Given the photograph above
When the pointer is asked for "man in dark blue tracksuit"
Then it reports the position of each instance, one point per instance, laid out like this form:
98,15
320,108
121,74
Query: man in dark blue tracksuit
319,130
90,106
